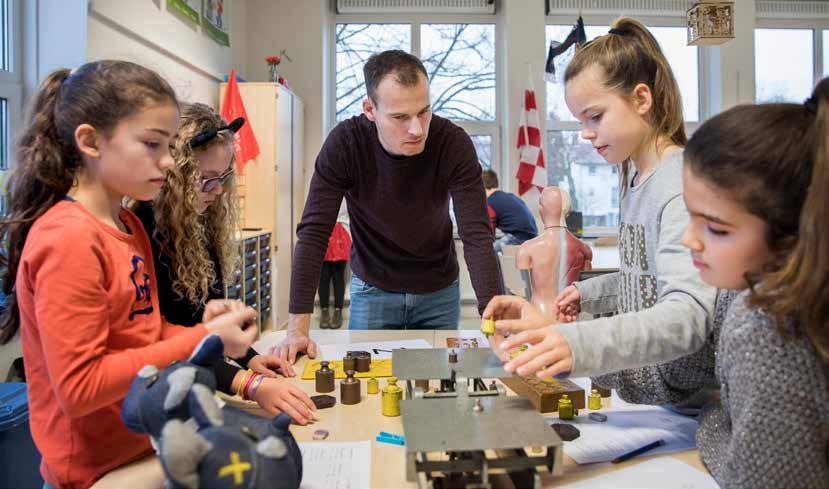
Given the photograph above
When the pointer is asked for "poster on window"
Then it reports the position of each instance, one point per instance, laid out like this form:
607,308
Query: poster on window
215,20
188,9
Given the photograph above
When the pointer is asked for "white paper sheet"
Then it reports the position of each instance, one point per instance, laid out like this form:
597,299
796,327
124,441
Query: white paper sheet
336,465
378,349
627,430
659,473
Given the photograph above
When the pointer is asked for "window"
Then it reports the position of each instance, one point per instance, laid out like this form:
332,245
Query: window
10,84
459,57
4,134
483,145
783,64
572,163
825,53
460,60
355,44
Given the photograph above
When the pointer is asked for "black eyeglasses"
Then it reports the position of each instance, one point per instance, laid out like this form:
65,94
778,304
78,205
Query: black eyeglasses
210,133
208,184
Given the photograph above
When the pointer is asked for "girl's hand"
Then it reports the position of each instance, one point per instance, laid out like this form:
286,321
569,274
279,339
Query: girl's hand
237,329
513,314
568,304
217,307
548,356
278,396
270,365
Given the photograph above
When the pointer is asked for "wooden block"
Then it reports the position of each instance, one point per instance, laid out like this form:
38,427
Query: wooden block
453,342
545,395
602,391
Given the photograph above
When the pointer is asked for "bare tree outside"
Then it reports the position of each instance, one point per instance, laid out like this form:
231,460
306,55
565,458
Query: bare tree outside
459,59
355,44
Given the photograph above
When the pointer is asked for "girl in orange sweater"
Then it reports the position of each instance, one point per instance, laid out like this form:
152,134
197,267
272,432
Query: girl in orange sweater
79,271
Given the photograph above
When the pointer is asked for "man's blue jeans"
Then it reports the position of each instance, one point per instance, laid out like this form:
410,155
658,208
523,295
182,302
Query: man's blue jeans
373,308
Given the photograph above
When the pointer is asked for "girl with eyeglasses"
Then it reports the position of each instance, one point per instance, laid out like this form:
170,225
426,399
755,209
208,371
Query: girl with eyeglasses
191,224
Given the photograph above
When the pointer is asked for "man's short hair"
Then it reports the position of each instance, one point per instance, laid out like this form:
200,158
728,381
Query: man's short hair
490,179
405,67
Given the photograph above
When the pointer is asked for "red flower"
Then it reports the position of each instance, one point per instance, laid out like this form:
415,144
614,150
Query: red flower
273,60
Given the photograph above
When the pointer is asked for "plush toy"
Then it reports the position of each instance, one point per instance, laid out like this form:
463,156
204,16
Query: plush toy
201,444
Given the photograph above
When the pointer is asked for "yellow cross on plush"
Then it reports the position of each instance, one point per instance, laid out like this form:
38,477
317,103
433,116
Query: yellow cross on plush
236,468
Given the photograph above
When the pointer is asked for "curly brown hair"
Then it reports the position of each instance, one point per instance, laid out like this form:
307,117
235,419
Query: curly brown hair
185,235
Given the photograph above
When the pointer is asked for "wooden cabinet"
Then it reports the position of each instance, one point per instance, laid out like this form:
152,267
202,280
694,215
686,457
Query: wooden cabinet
272,186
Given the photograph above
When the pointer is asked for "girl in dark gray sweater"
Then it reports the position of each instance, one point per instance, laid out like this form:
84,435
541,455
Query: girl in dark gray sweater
756,183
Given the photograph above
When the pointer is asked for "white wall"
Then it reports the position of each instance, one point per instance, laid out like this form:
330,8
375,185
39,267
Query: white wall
151,35
299,27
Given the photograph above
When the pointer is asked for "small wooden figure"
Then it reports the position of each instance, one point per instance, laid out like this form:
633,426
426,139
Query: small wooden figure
350,389
325,378
392,394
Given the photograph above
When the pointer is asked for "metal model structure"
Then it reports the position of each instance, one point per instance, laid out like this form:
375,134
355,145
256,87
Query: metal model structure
458,435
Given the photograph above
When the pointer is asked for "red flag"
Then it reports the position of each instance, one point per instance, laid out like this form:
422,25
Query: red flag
531,170
244,141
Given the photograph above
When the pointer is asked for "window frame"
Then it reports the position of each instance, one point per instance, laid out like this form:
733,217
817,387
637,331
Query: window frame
473,128
650,21
11,81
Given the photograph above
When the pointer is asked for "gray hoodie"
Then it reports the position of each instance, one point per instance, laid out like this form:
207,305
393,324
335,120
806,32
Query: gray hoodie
665,310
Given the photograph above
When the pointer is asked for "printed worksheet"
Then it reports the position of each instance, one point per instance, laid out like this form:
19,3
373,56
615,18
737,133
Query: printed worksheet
336,465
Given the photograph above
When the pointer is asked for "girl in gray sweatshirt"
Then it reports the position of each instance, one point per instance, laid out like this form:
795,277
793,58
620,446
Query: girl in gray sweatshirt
621,89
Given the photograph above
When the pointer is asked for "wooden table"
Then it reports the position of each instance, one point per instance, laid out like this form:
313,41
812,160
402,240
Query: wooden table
363,421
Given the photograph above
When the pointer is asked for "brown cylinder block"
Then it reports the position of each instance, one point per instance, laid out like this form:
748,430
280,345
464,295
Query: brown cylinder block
350,389
325,378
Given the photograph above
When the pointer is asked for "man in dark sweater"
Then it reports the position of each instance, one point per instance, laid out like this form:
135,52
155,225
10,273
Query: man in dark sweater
508,213
397,165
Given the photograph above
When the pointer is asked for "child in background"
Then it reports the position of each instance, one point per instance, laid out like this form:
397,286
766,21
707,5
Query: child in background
192,225
756,185
621,88
333,270
79,270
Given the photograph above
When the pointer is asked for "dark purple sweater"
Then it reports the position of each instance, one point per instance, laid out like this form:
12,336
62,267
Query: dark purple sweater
399,211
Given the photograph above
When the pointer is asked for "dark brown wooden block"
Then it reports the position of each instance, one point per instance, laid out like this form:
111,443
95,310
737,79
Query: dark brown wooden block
602,391
545,395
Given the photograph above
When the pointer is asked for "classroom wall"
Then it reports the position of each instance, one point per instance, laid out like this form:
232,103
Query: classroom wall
300,27
148,33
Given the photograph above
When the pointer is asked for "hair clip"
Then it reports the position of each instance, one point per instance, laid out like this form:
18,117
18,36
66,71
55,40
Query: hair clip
811,104
616,31
210,133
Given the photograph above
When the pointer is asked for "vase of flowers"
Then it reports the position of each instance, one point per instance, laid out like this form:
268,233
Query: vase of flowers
273,67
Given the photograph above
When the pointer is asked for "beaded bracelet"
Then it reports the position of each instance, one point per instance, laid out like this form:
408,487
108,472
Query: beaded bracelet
248,384
243,381
252,390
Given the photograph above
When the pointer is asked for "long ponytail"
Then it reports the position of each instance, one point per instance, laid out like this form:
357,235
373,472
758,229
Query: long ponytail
629,55
800,288
45,172
99,93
